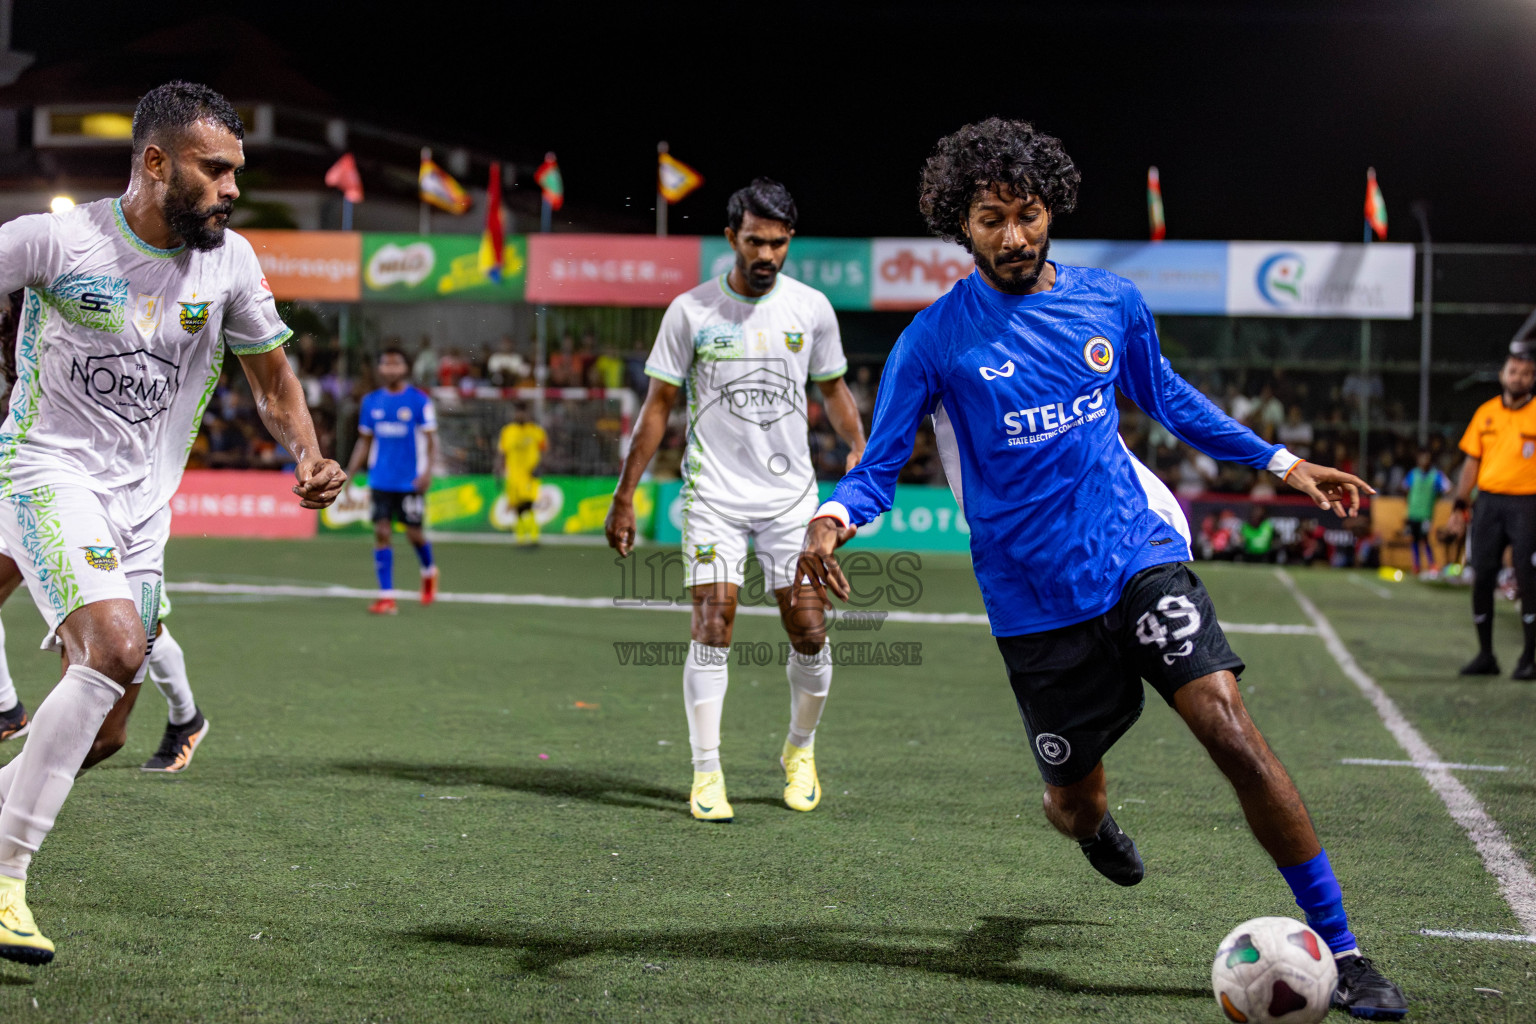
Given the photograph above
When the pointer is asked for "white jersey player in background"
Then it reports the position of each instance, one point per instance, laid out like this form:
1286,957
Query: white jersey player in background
129,304
743,346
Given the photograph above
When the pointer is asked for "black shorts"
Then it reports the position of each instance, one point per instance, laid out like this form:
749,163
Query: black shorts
407,507
1079,687
1418,530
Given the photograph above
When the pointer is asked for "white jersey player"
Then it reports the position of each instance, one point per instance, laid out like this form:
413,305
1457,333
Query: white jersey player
743,346
129,306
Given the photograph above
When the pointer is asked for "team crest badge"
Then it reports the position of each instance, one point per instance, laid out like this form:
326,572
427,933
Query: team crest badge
794,340
101,556
1099,354
194,316
704,554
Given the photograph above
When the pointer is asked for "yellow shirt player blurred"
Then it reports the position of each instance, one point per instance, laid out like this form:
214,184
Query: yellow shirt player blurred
522,445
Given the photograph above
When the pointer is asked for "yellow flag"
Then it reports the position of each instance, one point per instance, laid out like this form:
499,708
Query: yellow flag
676,179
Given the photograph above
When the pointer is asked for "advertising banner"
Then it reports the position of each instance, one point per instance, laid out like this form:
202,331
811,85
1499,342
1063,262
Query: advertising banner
610,270
417,268
1174,277
318,265
837,267
909,273
922,518
477,504
239,503
1362,282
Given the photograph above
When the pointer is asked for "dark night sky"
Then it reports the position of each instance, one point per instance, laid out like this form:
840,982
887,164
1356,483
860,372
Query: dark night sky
1262,119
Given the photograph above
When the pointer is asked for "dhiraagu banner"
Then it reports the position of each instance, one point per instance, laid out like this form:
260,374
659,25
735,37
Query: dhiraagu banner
566,505
921,519
837,267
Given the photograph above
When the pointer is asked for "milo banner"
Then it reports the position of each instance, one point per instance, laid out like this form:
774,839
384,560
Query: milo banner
567,505
921,519
414,268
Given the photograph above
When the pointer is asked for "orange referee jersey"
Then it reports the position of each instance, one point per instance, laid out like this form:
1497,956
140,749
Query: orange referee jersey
1505,441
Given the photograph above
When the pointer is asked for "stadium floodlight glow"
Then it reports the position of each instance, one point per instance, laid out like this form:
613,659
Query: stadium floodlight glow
61,204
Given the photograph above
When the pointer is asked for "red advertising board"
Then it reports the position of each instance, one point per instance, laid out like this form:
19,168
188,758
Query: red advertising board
319,265
610,270
239,503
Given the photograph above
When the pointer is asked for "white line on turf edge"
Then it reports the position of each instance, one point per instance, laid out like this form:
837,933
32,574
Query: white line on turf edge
1425,764
558,601
1476,936
1515,880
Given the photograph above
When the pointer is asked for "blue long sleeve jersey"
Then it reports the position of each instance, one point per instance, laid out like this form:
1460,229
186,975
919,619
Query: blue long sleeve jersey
1021,390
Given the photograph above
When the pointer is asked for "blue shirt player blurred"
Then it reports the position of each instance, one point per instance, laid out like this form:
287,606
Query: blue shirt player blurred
1078,549
397,439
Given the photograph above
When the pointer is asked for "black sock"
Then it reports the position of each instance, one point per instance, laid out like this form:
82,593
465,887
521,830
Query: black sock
1107,830
1528,621
1485,634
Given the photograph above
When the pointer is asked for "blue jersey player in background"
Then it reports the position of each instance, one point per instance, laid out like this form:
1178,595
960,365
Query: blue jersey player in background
1078,549
397,438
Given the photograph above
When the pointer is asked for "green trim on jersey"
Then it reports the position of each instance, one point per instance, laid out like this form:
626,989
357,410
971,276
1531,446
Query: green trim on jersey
202,403
841,371
256,348
732,293
23,394
674,381
134,240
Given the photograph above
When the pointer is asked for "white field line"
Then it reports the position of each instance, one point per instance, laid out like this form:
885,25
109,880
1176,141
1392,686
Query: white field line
1376,761
1477,936
558,601
1375,588
1515,880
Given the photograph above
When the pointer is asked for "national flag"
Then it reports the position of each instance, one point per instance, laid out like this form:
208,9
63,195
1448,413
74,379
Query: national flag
675,179
438,188
343,175
1375,205
548,178
1155,205
493,240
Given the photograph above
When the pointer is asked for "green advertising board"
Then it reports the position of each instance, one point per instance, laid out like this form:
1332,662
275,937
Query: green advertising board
566,505
921,519
413,268
837,267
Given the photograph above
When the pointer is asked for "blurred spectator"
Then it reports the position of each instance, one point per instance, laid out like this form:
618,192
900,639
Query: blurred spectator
564,371
506,367
1258,536
1195,473
1423,485
862,388
424,366
452,368
607,369
1295,433
1267,413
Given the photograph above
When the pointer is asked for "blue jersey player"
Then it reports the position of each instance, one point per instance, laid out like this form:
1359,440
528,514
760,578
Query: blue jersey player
397,438
1079,550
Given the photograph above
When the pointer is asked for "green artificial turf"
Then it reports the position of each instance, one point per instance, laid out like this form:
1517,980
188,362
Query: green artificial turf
412,818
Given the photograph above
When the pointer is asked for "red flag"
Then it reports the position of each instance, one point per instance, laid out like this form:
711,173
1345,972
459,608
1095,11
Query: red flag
1155,221
493,241
1375,205
343,175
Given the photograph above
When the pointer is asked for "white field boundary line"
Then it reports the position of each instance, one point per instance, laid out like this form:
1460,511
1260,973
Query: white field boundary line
1516,882
558,601
1435,933
1378,762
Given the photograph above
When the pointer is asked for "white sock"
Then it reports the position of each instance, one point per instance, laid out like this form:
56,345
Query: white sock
168,671
8,696
62,730
810,677
704,682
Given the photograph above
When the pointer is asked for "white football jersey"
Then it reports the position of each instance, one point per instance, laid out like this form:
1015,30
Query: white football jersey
744,363
118,349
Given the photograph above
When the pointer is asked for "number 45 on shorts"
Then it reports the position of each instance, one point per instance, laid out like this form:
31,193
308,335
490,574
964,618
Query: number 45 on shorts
1176,619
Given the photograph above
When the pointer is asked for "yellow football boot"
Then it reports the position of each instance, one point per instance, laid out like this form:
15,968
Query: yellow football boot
802,791
708,802
19,938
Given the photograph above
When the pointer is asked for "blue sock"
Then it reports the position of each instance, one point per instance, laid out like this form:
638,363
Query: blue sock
1319,896
384,566
424,552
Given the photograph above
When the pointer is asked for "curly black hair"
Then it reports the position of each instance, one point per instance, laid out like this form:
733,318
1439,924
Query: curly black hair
993,152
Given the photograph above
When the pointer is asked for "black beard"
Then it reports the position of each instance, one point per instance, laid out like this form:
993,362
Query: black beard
188,220
756,276
1021,285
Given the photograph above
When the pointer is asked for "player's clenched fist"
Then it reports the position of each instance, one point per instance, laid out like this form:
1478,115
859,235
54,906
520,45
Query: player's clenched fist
620,526
319,482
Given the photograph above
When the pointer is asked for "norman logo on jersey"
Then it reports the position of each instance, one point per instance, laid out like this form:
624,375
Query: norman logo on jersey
194,316
136,386
987,373
762,396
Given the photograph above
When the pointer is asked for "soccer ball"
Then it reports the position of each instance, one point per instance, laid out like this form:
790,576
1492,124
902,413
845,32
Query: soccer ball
1273,970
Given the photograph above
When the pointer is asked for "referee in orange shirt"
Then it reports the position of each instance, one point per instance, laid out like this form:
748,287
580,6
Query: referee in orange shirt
1500,444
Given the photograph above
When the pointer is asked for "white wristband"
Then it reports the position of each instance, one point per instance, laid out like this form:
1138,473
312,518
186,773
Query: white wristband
1282,462
833,510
